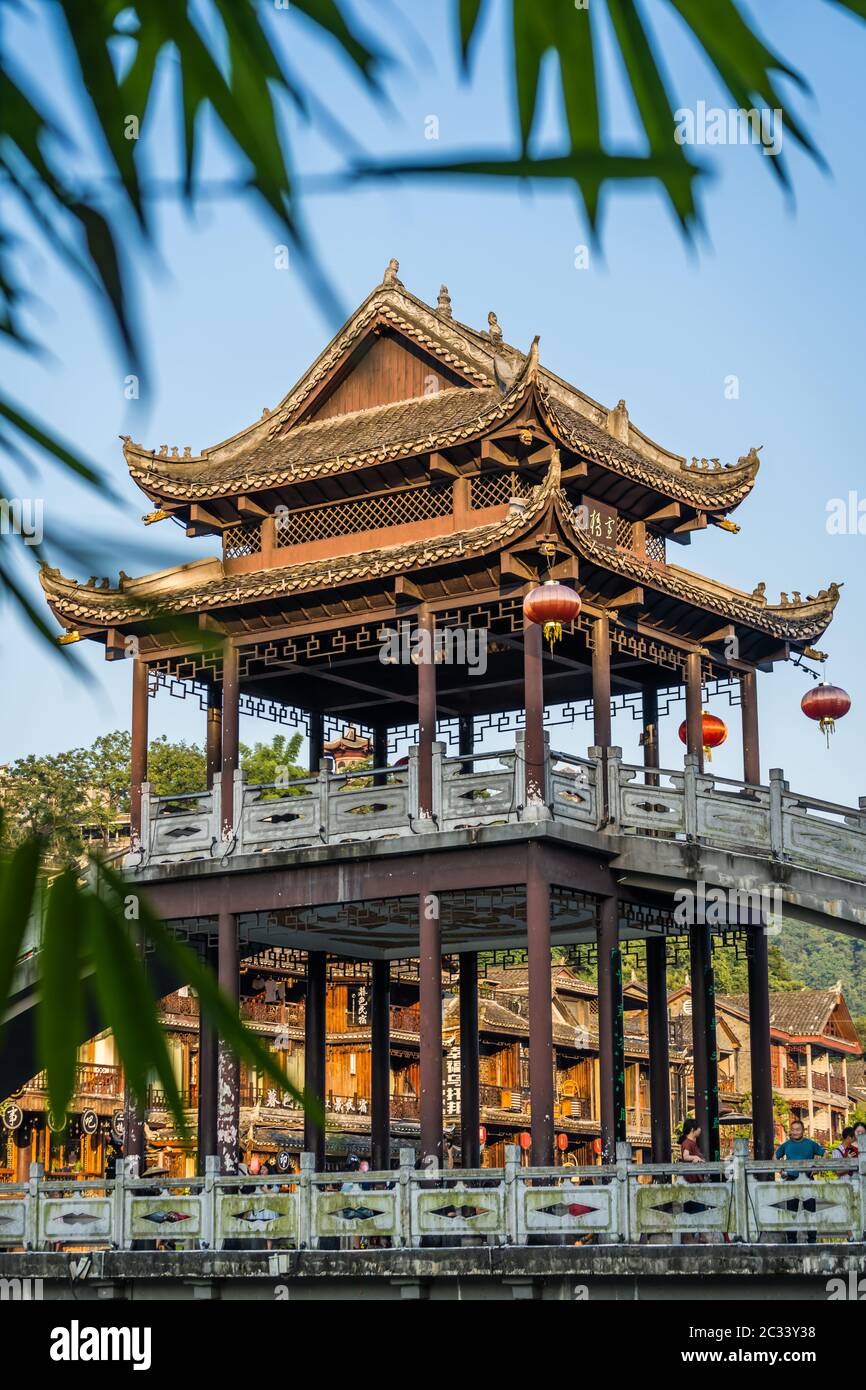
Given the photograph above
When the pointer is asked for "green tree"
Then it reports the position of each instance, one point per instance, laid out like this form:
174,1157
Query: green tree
274,762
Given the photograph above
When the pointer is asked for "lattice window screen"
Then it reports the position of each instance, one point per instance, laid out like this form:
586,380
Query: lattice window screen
497,489
363,514
245,539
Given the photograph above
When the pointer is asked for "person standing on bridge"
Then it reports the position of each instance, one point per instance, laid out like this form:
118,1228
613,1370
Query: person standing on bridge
798,1148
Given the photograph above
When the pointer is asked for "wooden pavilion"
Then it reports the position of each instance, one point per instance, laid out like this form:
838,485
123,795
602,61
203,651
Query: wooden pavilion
379,529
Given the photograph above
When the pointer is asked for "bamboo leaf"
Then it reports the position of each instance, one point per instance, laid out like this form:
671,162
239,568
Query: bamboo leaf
469,13
186,966
127,1003
60,1012
18,903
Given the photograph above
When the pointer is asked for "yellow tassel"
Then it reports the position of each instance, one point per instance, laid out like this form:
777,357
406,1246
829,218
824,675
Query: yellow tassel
553,633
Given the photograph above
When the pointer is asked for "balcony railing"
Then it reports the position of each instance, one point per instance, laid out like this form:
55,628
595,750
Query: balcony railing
512,1098
489,788
403,1020
91,1079
158,1100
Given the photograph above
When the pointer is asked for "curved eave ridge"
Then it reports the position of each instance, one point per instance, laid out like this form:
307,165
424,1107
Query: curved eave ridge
789,621
273,451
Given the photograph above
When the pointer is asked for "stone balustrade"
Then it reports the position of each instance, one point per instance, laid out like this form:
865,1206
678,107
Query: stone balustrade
599,793
617,1203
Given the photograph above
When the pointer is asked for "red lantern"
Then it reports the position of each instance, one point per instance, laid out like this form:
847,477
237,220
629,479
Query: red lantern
482,1135
826,703
562,1142
525,1140
255,1163
551,604
596,1146
714,731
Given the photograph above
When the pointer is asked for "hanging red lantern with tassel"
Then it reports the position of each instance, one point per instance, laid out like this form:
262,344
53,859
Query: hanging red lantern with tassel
826,704
550,605
714,731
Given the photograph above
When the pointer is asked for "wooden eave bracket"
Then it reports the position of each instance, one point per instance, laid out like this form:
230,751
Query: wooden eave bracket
514,570
439,466
249,509
407,594
632,598
696,523
574,470
203,521
672,512
722,634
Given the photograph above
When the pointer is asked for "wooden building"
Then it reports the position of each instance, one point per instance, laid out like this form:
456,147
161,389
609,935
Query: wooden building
378,532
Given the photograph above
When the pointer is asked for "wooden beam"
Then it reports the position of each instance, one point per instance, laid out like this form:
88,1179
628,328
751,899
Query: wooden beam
115,644
632,598
202,521
565,570
249,509
405,592
672,512
513,570
697,523
491,453
721,634
575,470
441,467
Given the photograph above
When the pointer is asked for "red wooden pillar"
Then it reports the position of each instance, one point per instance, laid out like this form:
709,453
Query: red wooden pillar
315,1037
133,1106
426,710
694,711
317,739
611,1065
470,1080
229,1081
380,1065
659,1049
231,730
763,1128
139,743
430,981
751,746
208,1074
540,1012
214,740
533,696
706,1062
601,723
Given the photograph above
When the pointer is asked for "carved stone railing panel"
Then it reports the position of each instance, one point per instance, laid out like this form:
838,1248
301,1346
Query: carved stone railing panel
368,813
823,836
270,821
637,804
478,789
179,827
733,816
574,789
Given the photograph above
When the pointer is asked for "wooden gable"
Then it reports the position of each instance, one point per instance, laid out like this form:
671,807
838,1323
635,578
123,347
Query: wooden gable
382,369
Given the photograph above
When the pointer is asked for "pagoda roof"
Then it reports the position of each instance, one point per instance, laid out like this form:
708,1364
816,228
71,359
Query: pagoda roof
285,446
204,586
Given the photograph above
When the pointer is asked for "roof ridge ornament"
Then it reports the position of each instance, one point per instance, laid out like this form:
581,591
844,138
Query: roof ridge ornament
617,422
443,303
493,329
390,276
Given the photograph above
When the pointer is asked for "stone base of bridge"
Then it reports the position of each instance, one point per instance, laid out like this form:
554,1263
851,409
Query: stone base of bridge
736,1273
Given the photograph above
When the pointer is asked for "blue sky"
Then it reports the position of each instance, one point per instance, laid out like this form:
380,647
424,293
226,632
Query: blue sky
772,295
